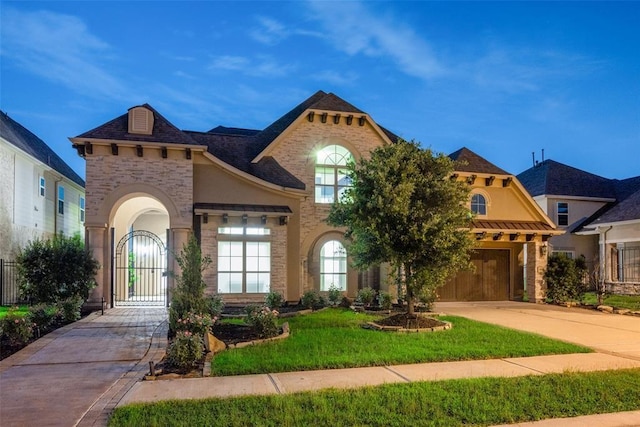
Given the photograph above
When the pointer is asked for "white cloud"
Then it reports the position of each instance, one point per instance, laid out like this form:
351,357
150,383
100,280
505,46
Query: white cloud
260,66
352,28
270,31
59,48
335,77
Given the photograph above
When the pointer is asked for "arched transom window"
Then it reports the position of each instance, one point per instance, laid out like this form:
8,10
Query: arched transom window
331,173
333,266
478,204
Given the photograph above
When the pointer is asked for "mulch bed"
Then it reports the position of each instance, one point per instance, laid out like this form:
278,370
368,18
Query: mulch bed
405,320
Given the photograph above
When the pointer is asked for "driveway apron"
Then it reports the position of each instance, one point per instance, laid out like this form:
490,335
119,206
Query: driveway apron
606,333
68,377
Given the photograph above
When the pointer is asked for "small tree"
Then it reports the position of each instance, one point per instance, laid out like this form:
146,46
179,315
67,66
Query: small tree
565,278
404,209
188,295
56,269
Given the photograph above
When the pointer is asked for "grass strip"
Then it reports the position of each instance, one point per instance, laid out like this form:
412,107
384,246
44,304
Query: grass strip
22,309
469,402
630,302
332,339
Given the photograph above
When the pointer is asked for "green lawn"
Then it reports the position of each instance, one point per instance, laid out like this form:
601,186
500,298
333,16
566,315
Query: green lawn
334,338
21,309
630,302
472,402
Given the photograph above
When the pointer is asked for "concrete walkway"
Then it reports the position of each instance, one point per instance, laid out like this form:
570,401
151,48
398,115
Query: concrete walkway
76,374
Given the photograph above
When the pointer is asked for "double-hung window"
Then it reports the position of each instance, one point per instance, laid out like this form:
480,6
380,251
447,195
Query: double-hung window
61,200
82,211
244,260
478,204
42,186
333,266
563,213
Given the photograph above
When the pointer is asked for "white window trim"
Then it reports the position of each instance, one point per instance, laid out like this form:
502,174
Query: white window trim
232,234
42,186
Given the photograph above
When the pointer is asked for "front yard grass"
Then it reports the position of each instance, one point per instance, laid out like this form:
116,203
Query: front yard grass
334,338
22,309
630,302
477,402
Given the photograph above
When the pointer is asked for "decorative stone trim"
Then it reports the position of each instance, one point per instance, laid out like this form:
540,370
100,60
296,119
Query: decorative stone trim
373,325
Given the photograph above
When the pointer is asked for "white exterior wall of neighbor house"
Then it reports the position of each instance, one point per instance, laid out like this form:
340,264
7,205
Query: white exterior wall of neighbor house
25,214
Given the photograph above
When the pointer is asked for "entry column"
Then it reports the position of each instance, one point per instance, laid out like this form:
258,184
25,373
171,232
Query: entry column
536,266
179,238
95,237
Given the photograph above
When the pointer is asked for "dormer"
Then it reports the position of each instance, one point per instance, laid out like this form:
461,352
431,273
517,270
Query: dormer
140,121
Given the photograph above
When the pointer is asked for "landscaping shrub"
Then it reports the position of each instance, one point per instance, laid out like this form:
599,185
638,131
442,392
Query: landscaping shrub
43,315
335,295
188,295
346,302
310,299
366,296
185,350
197,324
263,320
428,298
215,305
69,309
385,300
274,300
16,327
564,277
56,269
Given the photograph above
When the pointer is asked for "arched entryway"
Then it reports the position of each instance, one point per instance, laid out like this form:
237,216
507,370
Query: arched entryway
139,238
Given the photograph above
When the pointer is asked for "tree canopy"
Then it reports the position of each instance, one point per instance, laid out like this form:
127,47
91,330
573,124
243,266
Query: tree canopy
404,209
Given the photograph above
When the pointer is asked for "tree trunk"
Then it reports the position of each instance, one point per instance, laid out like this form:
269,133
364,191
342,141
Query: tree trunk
411,298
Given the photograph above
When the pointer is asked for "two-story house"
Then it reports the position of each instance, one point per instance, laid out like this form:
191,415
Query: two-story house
40,195
601,218
257,201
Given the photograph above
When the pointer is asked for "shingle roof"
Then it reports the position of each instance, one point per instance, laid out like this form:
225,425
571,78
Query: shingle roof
26,141
627,207
554,178
468,161
235,146
118,129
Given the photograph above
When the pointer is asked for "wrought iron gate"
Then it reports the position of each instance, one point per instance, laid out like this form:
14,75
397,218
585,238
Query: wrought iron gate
140,270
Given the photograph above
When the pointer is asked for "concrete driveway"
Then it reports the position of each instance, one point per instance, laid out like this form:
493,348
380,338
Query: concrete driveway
71,375
606,333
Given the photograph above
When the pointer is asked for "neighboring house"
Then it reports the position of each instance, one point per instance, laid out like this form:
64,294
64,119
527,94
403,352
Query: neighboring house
40,195
257,201
601,218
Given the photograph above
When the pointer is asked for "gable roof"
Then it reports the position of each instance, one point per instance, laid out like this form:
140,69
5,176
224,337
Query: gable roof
468,161
26,141
555,178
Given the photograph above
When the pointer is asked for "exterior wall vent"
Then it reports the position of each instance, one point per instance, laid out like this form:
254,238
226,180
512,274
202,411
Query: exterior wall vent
141,121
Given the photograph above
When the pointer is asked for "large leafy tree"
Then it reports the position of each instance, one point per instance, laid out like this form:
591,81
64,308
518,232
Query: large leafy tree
404,209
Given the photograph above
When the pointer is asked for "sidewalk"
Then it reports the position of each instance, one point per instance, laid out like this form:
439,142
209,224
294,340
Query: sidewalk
293,382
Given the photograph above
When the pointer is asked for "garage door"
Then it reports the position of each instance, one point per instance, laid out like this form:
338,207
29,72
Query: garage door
489,281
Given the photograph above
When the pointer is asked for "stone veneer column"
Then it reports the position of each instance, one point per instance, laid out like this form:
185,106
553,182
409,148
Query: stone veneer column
536,267
95,238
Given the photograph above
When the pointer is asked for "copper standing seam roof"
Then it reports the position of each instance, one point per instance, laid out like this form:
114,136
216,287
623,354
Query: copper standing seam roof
243,208
526,226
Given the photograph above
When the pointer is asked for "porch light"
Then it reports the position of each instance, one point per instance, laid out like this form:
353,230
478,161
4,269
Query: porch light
245,218
543,249
284,220
225,218
205,218
263,219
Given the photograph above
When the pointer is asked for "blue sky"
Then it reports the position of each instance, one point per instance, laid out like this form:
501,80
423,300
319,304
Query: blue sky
503,79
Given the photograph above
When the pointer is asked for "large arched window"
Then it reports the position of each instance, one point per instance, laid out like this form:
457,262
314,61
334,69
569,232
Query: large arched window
333,266
478,204
331,173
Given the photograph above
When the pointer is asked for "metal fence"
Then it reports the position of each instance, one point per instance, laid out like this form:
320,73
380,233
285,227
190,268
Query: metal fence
626,264
9,292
